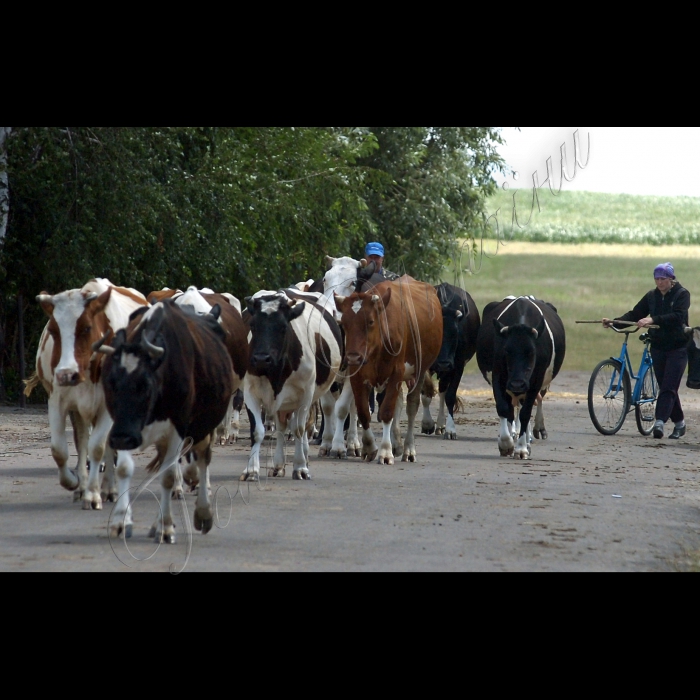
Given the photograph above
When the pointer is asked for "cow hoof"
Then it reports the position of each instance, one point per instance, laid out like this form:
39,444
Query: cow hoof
507,453
428,429
276,473
178,495
167,539
324,452
302,476
370,457
386,461
90,504
77,496
129,532
339,454
409,458
250,478
541,435
152,533
204,525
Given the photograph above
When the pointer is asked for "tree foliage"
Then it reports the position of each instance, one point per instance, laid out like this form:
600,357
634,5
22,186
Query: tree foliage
237,209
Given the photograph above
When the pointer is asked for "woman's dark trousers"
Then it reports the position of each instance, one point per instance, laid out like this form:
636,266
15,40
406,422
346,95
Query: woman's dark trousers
669,366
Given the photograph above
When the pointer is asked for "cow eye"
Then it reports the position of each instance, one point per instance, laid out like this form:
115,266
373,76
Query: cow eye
87,330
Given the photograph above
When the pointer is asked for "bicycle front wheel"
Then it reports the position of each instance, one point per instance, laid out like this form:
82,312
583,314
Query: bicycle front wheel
609,398
646,411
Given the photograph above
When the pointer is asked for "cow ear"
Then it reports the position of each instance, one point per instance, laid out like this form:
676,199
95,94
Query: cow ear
46,302
500,328
362,264
99,304
386,299
250,305
330,261
297,311
339,301
215,313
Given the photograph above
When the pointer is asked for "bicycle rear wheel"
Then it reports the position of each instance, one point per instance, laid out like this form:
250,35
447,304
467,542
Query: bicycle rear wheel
608,404
646,412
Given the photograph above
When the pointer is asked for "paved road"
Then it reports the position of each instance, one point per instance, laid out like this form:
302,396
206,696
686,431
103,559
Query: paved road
460,508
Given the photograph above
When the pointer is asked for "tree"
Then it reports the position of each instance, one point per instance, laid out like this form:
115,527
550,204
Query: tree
5,132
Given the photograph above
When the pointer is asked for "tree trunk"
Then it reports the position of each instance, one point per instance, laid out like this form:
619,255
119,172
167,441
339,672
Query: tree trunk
4,187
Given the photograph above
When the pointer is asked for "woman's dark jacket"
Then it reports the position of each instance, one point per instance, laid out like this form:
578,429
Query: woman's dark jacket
670,312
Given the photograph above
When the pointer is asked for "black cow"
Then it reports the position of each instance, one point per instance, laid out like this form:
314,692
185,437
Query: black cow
693,358
521,349
462,322
168,379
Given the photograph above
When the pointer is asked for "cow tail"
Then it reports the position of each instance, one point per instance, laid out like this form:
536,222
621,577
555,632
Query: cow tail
459,405
155,465
31,384
429,389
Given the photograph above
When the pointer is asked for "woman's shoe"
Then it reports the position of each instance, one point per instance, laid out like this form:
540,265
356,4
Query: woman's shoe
659,431
678,433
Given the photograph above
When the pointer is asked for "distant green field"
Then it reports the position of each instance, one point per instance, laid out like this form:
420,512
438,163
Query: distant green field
583,285
580,217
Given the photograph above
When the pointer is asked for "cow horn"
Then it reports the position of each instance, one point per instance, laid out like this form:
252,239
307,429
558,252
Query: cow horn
363,264
505,330
460,314
44,299
91,297
153,350
330,261
689,331
536,333
376,299
339,300
100,346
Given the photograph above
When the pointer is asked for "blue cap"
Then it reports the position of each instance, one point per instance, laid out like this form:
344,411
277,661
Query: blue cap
375,249
665,271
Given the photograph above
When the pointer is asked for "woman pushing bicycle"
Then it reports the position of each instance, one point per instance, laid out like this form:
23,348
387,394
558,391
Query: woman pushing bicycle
666,306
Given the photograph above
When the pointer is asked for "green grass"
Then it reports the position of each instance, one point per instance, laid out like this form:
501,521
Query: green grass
579,217
582,288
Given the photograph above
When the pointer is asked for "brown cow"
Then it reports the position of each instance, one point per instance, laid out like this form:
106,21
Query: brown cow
393,335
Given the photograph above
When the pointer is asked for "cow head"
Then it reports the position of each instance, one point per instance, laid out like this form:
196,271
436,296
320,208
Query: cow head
454,317
156,297
342,276
520,348
131,381
693,358
362,319
271,316
76,321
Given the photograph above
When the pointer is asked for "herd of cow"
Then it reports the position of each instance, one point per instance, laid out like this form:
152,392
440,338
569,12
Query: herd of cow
173,369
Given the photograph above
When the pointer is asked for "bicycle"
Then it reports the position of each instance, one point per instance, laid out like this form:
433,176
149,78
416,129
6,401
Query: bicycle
610,395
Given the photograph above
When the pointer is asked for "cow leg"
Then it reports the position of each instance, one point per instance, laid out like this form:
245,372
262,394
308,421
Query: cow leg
523,450
342,409
441,419
397,443
428,424
238,404
386,416
59,445
257,429
412,407
223,432
203,514
354,442
110,489
540,430
360,391
282,423
92,498
301,459
450,399
122,522
81,436
506,413
328,404
164,530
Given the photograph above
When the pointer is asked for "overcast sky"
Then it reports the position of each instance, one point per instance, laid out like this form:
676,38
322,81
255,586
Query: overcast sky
650,160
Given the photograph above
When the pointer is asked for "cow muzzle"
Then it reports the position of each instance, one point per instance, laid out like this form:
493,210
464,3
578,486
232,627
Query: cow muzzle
355,359
445,367
68,378
125,442
262,363
518,388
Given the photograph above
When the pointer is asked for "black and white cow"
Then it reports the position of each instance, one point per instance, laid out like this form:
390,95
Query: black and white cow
693,358
462,323
295,355
521,349
167,378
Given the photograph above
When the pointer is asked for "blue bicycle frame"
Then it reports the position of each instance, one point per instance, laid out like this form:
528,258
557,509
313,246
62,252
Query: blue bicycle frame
626,364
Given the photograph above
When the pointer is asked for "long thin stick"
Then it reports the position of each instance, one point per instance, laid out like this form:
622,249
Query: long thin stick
619,323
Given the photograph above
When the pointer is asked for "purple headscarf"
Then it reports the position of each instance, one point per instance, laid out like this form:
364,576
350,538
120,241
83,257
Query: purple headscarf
665,271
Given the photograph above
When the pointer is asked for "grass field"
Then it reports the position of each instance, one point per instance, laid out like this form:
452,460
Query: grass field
599,218
585,282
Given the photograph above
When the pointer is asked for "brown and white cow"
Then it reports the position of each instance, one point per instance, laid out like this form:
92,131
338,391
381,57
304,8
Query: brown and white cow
393,335
71,373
